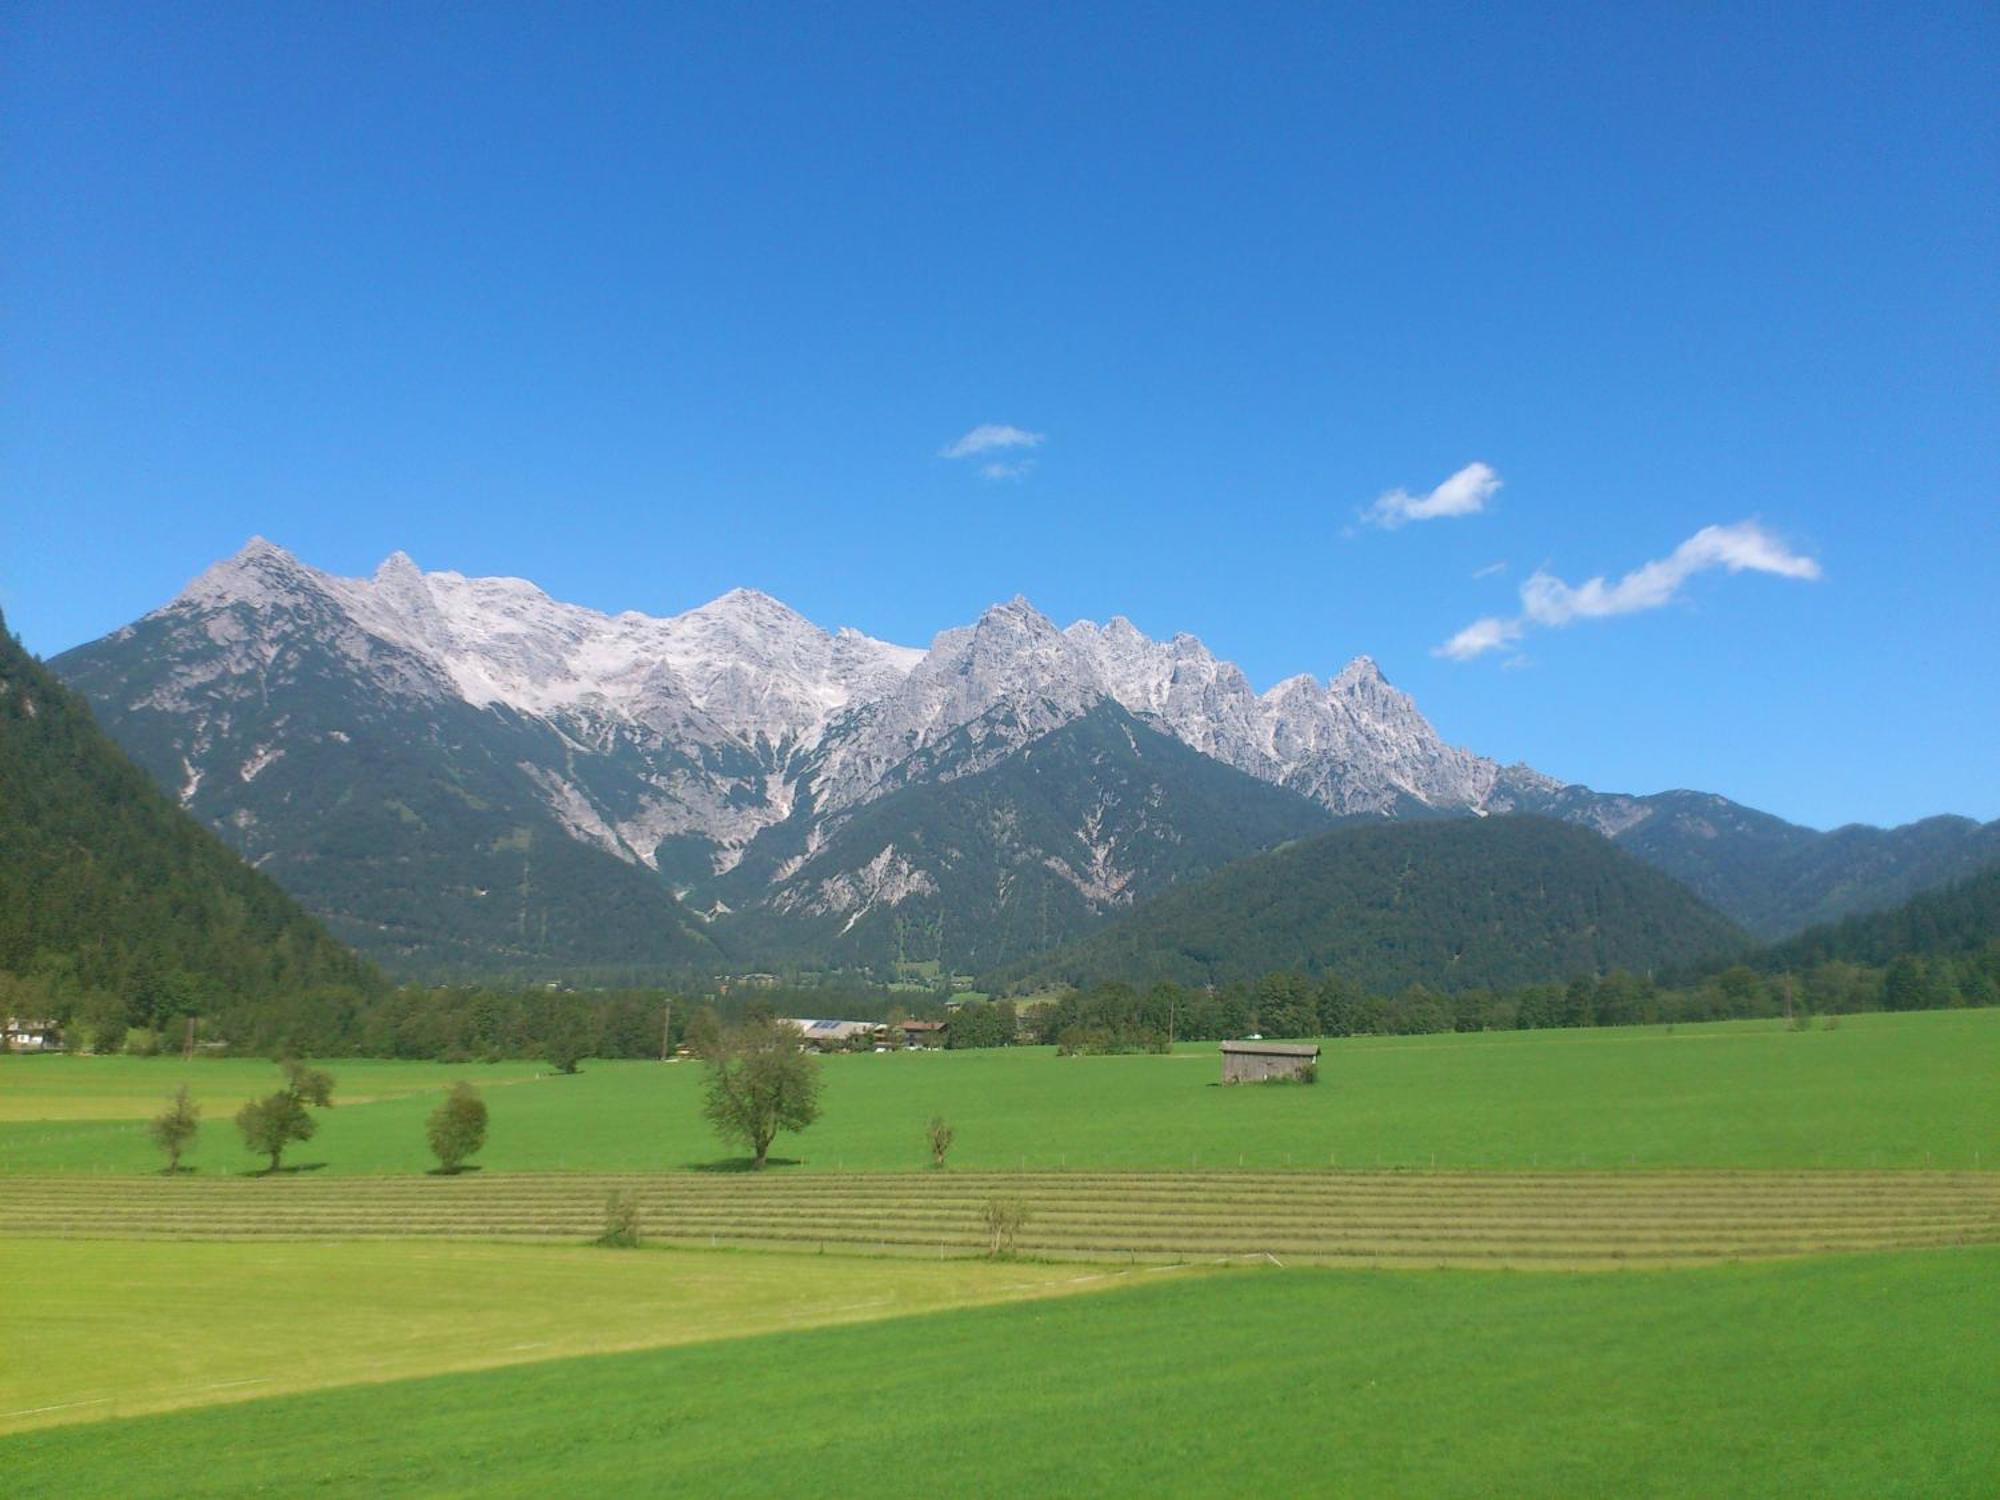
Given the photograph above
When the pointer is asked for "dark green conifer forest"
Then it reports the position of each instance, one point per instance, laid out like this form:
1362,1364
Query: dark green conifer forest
118,908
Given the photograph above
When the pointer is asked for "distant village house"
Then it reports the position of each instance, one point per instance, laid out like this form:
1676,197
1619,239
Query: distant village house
29,1034
834,1036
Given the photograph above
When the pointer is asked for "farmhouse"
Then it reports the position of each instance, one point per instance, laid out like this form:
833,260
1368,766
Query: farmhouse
1260,1062
833,1036
28,1034
925,1033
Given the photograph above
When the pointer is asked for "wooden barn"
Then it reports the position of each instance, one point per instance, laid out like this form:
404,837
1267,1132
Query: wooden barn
1260,1062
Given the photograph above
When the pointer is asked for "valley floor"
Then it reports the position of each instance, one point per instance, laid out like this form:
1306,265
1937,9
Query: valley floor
1856,1375
1742,1261
1881,1091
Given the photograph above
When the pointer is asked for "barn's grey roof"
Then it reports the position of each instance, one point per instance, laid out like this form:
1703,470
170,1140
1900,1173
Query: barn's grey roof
1271,1049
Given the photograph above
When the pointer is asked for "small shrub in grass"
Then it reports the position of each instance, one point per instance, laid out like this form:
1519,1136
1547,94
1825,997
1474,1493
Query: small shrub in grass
1004,1219
940,1136
621,1222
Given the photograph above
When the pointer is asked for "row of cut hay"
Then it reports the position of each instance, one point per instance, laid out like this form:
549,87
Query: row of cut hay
1193,1198
1466,1219
1177,1191
1047,1223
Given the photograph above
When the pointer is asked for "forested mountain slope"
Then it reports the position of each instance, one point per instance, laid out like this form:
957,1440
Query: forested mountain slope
106,886
1453,904
1958,919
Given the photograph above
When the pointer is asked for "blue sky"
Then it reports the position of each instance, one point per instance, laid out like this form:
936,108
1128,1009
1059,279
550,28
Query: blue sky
645,304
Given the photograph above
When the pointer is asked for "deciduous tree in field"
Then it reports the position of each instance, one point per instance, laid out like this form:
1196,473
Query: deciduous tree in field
940,1136
272,1123
308,1085
457,1127
173,1128
760,1082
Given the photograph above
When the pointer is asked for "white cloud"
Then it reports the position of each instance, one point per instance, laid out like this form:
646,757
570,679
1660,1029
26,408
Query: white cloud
1480,637
1546,600
990,435
1464,494
1490,569
1016,470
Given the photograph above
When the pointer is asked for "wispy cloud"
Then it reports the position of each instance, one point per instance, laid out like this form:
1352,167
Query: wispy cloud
1481,636
1547,601
1019,469
988,436
1490,569
1464,494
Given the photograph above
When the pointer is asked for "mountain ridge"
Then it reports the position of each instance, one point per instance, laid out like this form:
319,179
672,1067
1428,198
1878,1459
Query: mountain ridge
714,753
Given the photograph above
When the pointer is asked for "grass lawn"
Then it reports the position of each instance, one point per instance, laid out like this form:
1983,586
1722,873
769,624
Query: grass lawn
1863,1376
115,1329
1881,1091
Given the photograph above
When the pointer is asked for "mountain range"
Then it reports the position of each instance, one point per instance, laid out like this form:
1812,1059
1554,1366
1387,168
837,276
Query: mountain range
466,775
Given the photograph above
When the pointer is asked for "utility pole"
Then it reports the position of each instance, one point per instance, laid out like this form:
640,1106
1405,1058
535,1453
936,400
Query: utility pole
666,1030
187,1052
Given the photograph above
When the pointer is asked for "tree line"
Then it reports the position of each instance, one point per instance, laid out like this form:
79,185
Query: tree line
1113,1016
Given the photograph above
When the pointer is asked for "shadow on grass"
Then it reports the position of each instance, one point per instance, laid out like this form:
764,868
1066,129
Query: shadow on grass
291,1171
463,1171
743,1164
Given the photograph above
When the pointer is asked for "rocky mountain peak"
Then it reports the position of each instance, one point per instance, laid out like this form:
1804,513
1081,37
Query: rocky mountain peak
1361,672
259,573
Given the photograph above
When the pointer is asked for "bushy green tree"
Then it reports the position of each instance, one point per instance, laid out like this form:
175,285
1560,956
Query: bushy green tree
457,1127
760,1082
274,1122
1286,1005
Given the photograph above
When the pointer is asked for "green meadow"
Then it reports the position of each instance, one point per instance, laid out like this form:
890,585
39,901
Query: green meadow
1890,1091
119,1328
296,1335
1856,1376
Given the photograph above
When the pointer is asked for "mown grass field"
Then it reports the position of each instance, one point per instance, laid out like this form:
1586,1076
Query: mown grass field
1888,1091
117,1329
1852,1376
1530,1220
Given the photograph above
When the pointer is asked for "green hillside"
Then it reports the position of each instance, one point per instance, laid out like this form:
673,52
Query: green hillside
1958,920
1452,904
114,899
